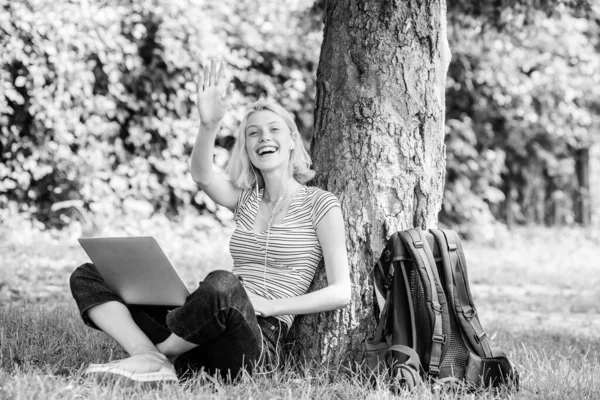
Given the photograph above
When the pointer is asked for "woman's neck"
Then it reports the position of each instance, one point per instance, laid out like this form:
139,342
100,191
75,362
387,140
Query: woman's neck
278,187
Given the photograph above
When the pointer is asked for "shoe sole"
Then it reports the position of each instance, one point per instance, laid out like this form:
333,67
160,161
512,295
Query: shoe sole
102,372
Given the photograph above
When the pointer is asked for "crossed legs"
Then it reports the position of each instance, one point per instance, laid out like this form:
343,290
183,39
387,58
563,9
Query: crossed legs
216,329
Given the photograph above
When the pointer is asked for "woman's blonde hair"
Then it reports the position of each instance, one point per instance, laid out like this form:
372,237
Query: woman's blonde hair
241,171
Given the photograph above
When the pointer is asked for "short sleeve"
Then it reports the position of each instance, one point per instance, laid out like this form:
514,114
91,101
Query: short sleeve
244,195
322,203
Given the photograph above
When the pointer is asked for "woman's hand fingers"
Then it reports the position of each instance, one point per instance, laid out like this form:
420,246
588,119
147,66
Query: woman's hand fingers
206,74
200,81
260,304
221,74
213,92
213,72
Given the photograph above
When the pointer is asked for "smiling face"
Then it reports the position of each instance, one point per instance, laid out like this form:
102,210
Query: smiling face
268,140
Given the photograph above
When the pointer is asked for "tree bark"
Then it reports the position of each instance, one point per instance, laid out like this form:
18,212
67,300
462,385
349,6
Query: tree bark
377,145
583,212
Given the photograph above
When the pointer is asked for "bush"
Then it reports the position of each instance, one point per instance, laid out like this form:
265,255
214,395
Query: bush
97,105
518,111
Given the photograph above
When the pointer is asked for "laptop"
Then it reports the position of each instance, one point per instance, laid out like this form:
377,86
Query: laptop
137,270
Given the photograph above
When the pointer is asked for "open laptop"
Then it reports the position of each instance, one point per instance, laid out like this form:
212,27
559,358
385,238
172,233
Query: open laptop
137,270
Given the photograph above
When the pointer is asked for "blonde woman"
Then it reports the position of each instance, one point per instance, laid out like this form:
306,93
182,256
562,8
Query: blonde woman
235,320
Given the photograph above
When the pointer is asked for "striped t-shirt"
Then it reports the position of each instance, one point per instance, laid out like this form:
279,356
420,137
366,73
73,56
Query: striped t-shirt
293,252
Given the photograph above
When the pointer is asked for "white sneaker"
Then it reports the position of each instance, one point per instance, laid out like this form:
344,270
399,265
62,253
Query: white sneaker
143,367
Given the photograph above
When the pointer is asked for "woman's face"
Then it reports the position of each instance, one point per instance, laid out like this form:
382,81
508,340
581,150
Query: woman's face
268,140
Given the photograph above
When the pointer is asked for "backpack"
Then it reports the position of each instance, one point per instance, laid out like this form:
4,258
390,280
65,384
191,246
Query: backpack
429,329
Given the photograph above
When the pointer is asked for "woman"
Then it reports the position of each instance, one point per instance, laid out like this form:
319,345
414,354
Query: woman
235,320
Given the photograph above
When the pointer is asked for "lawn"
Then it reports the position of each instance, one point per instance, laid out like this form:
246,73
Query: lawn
537,292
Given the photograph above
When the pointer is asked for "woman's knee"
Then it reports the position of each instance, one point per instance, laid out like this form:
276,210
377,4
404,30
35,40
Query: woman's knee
81,274
220,286
223,282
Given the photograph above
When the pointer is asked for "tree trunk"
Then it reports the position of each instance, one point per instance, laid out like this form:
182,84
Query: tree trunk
583,212
594,177
377,145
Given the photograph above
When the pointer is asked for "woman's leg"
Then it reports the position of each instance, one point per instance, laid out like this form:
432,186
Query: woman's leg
114,319
135,328
218,317
216,329
174,346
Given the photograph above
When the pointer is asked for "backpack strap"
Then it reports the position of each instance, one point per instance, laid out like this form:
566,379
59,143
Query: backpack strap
403,324
382,278
396,329
444,259
449,243
395,290
383,271
424,260
406,374
382,326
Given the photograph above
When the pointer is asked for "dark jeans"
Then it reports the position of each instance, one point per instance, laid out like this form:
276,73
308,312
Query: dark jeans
218,317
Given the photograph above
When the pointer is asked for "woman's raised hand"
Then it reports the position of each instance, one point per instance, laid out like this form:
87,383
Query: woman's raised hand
213,93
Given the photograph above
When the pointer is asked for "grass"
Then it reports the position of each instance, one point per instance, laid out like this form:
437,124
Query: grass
41,358
536,290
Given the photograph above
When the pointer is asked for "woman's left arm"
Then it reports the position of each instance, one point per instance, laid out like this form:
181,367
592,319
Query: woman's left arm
332,237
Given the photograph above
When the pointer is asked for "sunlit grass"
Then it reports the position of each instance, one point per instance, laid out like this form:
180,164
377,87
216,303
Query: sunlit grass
536,291
45,348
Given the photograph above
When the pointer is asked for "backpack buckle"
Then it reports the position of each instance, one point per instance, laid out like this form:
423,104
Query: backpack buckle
434,370
452,246
469,313
437,308
480,336
387,255
388,281
418,244
440,338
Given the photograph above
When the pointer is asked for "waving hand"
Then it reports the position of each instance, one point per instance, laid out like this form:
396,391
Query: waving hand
214,92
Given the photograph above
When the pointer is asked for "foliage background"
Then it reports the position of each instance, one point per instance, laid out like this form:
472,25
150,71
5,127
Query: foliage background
97,107
97,112
523,102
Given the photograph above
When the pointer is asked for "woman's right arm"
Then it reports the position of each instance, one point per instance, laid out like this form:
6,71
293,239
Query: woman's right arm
213,92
